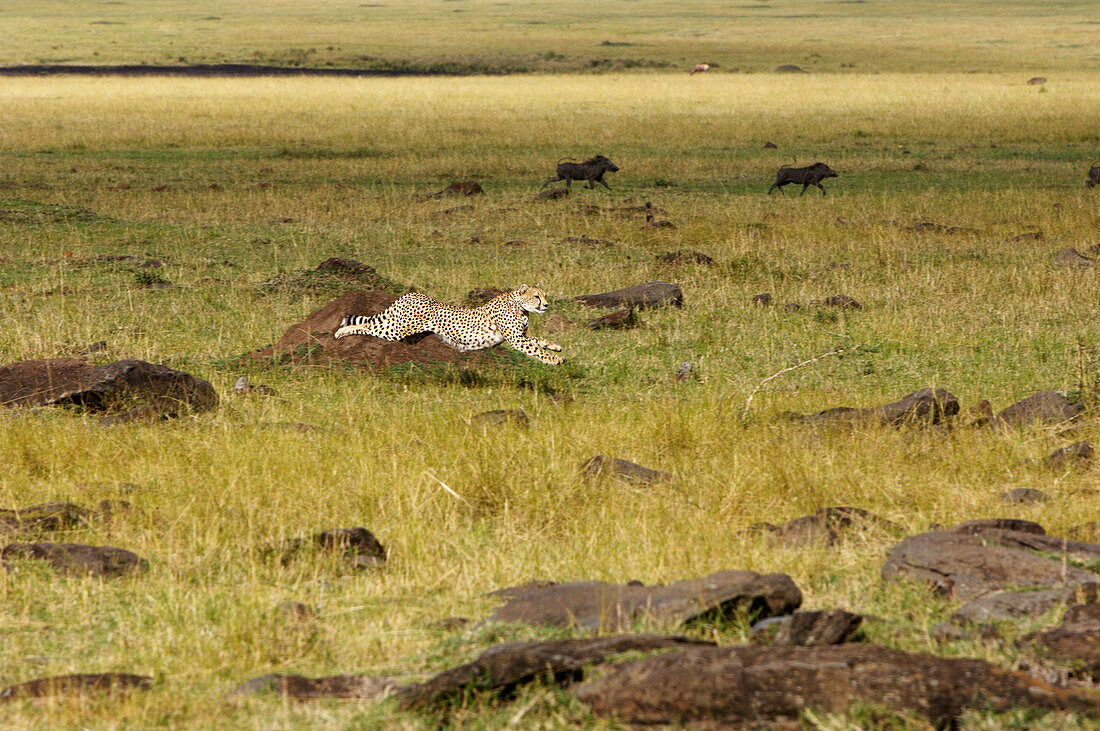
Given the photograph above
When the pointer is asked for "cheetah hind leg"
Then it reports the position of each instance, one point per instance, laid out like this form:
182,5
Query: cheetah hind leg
403,318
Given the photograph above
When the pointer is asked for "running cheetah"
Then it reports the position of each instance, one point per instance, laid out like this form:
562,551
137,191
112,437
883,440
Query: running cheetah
501,319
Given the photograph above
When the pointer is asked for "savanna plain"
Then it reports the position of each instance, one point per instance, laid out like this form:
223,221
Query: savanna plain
239,185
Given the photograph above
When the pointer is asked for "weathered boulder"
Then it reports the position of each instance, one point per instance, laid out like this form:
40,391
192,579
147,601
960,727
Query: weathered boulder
357,545
1024,496
1016,604
300,688
112,387
624,319
964,566
621,469
820,627
1078,454
76,558
311,340
1042,543
45,518
928,405
1045,407
749,686
651,294
595,605
503,667
825,527
984,524
76,685
1072,258
1076,644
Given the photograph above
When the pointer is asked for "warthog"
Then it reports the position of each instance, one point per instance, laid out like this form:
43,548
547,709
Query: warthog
811,175
1094,175
591,170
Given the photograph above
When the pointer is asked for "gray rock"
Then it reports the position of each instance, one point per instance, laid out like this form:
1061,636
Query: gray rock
1004,605
81,684
1013,524
751,686
823,627
825,528
300,688
357,545
1072,258
1076,645
1078,454
1024,496
640,296
624,470
1045,407
77,559
927,405
595,605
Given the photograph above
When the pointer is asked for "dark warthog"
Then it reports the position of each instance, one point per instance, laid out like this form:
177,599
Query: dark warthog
1094,175
812,175
591,170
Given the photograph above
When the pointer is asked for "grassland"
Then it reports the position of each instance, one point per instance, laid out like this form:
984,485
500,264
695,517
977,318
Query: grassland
234,183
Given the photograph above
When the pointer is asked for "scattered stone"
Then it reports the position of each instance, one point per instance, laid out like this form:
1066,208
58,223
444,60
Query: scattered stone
964,566
974,527
770,146
500,417
823,627
792,307
684,372
552,194
624,319
1002,605
928,405
1024,496
1076,644
555,323
1072,258
789,68
1036,81
77,559
347,267
842,301
685,256
923,226
651,294
76,685
1027,236
587,240
1078,454
468,187
299,688
311,340
825,527
503,668
749,686
357,545
45,518
623,470
1045,407
481,295
515,243
595,605
764,299
112,387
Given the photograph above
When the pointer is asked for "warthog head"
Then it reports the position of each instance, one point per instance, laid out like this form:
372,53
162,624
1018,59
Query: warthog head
1094,175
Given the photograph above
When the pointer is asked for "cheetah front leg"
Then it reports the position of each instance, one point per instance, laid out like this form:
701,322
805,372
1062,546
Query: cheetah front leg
544,344
530,347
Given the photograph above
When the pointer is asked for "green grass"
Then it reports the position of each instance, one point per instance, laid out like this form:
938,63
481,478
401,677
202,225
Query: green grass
266,178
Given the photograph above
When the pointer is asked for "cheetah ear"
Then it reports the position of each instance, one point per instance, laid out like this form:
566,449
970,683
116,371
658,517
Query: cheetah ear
522,288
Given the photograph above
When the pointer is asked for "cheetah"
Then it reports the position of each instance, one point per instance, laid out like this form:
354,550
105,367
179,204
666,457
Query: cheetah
501,319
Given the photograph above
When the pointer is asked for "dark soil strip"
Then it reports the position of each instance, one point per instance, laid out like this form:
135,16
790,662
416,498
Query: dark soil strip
224,69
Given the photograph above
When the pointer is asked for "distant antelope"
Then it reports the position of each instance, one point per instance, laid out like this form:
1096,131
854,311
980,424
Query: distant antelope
701,68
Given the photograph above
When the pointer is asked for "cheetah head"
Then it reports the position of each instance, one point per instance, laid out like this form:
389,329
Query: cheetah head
532,299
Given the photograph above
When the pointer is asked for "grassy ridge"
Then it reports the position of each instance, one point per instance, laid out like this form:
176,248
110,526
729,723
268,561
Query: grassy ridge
307,170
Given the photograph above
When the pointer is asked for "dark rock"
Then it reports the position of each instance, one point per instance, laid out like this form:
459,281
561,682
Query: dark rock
1078,454
1028,236
1024,496
336,265
789,68
750,686
112,387
587,240
948,632
826,526
823,627
623,470
1003,605
311,340
927,405
595,605
1045,407
1013,524
792,307
77,559
1042,544
770,146
76,685
651,294
618,320
764,299
552,194
468,187
504,667
45,518
1080,613
1072,258
838,300
481,295
299,688
964,566
1076,644
1036,81
685,256
684,372
500,417
357,545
